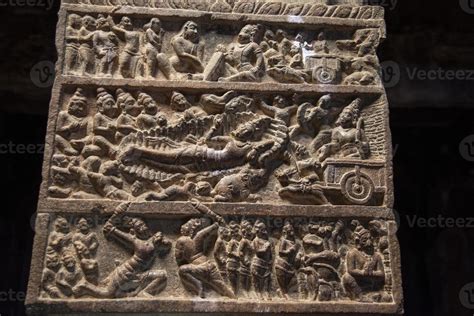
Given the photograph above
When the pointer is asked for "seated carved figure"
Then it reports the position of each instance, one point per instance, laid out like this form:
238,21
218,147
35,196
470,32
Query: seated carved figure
348,137
196,269
134,276
149,118
127,120
244,59
188,49
72,125
365,275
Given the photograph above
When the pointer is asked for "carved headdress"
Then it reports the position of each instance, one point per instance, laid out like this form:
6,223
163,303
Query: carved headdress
102,96
78,97
123,96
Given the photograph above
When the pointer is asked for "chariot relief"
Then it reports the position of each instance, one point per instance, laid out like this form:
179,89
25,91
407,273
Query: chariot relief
217,156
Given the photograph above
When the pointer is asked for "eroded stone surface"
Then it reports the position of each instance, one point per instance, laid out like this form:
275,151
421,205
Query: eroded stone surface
205,154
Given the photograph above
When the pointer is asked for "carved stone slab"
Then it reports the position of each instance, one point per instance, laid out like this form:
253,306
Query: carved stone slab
217,156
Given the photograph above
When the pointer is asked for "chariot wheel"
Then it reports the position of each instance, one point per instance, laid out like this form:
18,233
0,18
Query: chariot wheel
357,187
324,75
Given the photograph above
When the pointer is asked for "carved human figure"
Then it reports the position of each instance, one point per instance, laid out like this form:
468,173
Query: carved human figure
61,180
130,54
71,57
300,185
60,237
220,250
195,268
108,182
85,243
185,192
155,59
233,256
262,261
149,118
188,49
365,270
285,263
134,276
245,58
348,137
86,236
104,127
48,280
105,46
69,275
80,171
127,120
246,254
86,52
71,130
320,45
280,109
179,103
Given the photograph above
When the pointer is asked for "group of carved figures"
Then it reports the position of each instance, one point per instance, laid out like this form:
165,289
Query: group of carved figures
220,148
319,260
99,47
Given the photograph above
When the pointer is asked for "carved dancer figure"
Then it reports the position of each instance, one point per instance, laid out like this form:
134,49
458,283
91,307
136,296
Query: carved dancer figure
134,276
69,275
188,49
149,118
220,250
86,51
233,256
127,120
262,261
71,57
104,127
245,61
246,254
130,54
286,262
155,59
105,46
72,125
365,269
348,137
195,268
280,109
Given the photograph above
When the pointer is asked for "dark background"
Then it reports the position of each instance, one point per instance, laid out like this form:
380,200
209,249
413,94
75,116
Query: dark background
429,120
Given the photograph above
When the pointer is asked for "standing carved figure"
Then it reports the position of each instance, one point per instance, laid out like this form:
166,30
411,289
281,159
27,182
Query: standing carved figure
233,256
262,261
188,49
155,59
220,250
134,276
85,243
195,268
246,254
105,46
285,262
86,52
130,55
72,43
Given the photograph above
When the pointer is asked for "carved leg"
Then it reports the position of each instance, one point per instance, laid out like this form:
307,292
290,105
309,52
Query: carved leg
63,145
125,65
190,283
217,283
164,65
351,287
156,281
71,58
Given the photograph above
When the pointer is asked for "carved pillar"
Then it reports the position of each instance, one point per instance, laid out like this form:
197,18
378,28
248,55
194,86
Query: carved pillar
219,156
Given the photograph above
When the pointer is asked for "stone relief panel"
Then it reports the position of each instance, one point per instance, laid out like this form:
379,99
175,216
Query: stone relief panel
120,46
211,257
141,145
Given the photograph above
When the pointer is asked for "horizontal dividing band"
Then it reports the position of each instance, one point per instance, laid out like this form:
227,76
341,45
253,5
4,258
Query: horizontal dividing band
227,18
185,209
216,87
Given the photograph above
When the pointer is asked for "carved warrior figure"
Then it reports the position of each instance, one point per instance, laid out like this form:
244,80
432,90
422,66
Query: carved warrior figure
155,59
188,49
262,262
105,46
286,261
246,253
233,256
133,277
72,125
196,270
